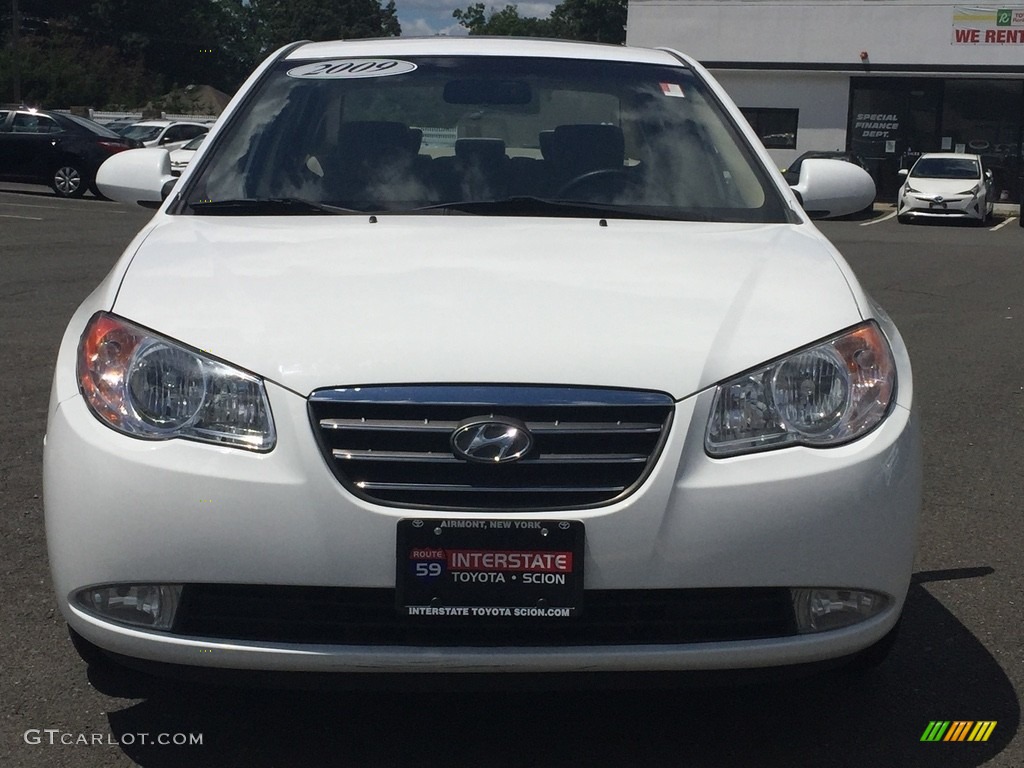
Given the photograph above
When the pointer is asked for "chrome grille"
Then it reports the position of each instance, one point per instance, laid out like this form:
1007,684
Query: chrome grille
392,445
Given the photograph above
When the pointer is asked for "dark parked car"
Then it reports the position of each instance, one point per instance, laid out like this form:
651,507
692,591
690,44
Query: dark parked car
60,150
121,125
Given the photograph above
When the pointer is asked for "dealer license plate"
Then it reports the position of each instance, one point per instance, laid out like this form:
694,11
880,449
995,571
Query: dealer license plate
520,569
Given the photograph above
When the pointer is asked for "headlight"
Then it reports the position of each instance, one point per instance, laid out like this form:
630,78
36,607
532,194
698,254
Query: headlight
825,395
150,387
972,191
907,189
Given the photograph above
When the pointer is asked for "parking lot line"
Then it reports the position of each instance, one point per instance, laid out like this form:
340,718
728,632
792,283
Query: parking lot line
41,200
28,205
96,209
12,216
1003,223
879,221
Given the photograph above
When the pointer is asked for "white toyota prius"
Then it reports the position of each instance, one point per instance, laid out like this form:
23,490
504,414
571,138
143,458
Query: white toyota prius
480,355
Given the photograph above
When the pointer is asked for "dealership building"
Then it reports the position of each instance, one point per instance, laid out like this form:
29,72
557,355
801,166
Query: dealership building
886,79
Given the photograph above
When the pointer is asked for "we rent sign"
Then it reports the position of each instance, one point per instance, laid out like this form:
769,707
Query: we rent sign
988,26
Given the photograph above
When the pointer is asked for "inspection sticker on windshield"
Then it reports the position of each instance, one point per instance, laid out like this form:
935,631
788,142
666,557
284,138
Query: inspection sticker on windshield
671,89
341,69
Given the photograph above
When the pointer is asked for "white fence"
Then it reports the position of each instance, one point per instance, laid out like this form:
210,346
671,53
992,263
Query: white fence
109,117
439,137
193,118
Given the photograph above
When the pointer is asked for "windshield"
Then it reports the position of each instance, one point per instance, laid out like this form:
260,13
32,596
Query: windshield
142,132
467,133
946,168
194,144
96,128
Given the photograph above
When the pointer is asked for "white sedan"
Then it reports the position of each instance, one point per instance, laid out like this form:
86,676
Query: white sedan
168,134
475,355
181,157
944,185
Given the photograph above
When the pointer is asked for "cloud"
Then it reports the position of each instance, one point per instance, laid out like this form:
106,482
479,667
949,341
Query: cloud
445,7
537,10
436,6
423,28
425,18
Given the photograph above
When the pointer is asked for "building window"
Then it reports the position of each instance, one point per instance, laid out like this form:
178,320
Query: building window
775,127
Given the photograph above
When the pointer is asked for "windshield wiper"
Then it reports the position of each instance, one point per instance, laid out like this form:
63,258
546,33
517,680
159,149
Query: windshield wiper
511,206
539,206
265,206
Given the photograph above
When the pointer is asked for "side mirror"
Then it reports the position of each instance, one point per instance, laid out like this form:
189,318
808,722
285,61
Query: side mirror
829,188
903,172
141,176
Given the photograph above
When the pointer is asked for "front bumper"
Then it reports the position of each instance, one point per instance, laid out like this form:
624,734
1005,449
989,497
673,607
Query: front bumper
120,510
913,205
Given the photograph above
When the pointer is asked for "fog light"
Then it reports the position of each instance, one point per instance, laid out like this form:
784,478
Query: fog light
819,610
152,606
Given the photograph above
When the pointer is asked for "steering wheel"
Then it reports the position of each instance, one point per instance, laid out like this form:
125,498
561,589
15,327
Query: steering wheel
601,181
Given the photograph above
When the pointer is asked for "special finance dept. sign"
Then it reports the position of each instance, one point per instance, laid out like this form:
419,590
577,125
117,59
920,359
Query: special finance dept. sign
988,26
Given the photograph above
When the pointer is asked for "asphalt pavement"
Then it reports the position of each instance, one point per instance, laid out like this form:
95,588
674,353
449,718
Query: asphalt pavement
957,294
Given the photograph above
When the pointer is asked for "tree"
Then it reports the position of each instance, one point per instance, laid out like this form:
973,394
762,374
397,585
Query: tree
506,22
52,73
183,41
174,41
111,49
284,21
602,21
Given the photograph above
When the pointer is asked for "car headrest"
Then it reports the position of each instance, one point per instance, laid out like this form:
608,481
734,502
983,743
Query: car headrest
373,137
484,152
577,149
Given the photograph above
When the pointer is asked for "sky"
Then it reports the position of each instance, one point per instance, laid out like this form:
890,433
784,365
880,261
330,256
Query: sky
434,17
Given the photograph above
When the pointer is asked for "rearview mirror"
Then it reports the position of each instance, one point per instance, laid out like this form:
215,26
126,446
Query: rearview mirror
141,176
829,188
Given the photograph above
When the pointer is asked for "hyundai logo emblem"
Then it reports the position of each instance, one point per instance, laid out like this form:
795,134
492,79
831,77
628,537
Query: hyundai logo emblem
491,440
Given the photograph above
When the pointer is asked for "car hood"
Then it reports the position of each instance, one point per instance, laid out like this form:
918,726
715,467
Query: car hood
945,187
321,301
